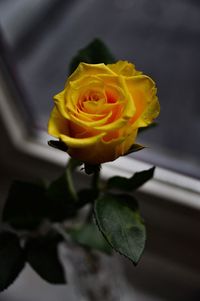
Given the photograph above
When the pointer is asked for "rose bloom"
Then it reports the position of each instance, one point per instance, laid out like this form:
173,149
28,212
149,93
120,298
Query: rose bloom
100,110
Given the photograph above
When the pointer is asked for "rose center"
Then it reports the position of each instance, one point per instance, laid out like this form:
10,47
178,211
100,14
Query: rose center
92,97
110,97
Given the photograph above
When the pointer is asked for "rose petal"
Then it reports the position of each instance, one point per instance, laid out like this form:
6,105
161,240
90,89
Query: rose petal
124,68
82,142
143,91
89,69
57,124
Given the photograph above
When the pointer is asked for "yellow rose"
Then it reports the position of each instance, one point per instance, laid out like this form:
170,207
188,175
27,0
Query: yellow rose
98,113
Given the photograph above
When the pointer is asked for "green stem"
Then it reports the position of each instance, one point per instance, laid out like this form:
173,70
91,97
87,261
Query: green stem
70,166
95,180
95,185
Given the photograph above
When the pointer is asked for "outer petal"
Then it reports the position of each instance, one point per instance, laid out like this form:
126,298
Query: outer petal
88,70
60,102
103,151
124,68
143,91
57,124
97,153
128,142
150,113
81,142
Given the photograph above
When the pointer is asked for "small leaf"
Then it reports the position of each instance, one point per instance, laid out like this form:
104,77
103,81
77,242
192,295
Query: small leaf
42,255
120,222
94,53
90,236
134,148
12,259
58,144
130,184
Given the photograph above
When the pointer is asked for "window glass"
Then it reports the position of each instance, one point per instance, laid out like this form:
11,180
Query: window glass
162,38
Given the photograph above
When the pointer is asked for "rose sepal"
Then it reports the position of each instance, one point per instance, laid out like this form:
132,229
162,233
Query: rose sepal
132,183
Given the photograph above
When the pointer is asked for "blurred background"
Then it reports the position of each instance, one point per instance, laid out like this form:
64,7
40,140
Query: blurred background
161,38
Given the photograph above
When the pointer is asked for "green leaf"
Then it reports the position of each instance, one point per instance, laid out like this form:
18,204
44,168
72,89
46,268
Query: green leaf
120,222
28,204
42,255
12,259
130,184
59,189
94,53
134,148
25,205
90,236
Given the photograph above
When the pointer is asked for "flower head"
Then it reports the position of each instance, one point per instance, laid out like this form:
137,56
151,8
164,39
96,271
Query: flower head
100,110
